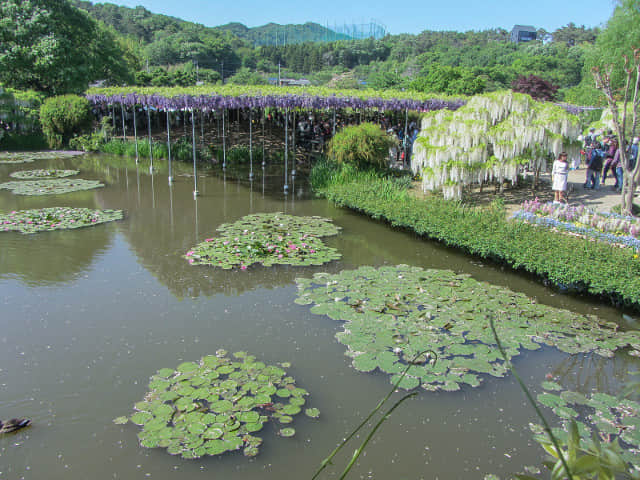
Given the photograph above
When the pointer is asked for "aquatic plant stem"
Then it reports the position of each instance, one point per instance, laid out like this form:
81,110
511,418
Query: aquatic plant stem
360,449
524,388
327,460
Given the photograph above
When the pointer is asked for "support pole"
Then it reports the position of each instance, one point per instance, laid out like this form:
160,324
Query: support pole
193,137
150,141
135,133
251,143
293,138
286,148
264,120
405,139
169,145
334,123
224,143
124,128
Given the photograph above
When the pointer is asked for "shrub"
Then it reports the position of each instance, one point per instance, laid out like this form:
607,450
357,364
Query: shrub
361,145
537,87
64,117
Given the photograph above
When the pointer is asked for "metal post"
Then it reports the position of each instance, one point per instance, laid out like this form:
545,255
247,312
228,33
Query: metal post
169,145
334,123
124,128
293,141
286,148
264,120
406,123
150,141
224,143
251,143
193,137
135,132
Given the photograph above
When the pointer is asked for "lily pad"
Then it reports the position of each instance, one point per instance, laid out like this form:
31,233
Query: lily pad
58,218
50,187
193,413
287,432
610,418
312,412
392,314
120,420
43,173
267,239
28,157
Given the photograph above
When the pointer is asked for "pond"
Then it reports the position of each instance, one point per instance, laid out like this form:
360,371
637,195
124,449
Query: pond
88,315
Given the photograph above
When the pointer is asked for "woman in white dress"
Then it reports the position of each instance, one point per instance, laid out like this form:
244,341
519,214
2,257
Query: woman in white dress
559,177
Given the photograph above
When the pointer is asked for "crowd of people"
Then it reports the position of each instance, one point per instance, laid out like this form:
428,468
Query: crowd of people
601,157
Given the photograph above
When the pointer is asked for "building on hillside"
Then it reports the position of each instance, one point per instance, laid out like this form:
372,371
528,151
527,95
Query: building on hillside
523,33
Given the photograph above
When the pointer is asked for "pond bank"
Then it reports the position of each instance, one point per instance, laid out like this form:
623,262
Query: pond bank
571,263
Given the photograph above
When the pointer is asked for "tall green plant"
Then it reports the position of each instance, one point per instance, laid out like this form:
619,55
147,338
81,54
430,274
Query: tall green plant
361,145
64,117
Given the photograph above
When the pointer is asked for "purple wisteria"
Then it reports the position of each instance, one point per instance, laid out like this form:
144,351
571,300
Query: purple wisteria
315,102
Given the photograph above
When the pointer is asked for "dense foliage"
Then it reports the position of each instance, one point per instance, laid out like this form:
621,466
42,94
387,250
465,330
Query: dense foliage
52,47
361,145
567,261
538,88
63,117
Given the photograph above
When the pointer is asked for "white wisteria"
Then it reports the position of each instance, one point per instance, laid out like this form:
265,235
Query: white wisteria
490,138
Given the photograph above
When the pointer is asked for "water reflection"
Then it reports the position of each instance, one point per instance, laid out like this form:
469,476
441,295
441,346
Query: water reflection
52,257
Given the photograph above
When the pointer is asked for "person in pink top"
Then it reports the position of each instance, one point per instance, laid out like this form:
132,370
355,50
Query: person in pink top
559,175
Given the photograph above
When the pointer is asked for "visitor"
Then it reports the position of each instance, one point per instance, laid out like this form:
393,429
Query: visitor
594,167
559,175
616,167
633,153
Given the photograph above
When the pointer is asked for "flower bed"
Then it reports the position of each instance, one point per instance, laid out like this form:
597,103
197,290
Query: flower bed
606,227
60,218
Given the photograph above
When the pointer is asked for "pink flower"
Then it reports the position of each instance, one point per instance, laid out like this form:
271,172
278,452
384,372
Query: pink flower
243,267
209,240
189,253
191,260
312,251
280,256
226,242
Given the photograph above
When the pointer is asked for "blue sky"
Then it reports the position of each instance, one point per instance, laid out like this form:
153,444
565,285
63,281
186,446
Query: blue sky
404,16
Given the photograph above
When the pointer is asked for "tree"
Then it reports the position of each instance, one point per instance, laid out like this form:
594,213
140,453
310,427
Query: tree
631,169
538,88
50,46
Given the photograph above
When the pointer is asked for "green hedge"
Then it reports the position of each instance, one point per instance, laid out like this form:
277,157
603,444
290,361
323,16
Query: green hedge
569,262
64,117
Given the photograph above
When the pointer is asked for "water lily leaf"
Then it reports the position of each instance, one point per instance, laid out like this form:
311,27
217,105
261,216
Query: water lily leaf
120,420
50,187
267,239
392,313
287,432
58,218
140,418
193,413
312,412
250,451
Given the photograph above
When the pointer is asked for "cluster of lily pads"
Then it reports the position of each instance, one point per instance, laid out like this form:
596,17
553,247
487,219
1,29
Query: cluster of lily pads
50,187
43,173
268,239
28,157
612,419
58,218
216,405
394,313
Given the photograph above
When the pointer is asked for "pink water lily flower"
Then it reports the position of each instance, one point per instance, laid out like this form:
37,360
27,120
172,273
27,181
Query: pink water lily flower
243,267
209,240
189,253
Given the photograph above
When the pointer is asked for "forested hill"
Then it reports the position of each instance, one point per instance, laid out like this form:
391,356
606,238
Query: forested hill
142,24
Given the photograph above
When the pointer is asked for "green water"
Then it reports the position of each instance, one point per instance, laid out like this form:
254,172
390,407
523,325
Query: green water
88,315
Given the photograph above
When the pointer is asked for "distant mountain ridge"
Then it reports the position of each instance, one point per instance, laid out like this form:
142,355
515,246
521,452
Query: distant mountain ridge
142,23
